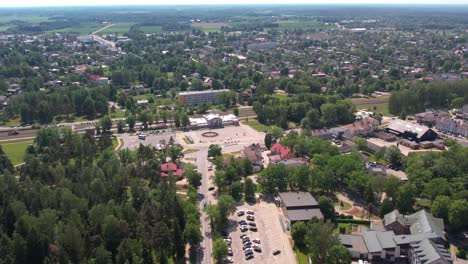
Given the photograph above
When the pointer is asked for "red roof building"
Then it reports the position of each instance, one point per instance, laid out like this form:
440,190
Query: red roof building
284,152
167,168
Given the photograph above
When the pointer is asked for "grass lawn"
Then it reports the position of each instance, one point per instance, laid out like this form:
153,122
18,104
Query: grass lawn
301,257
346,226
423,203
119,113
13,122
379,108
188,151
253,123
15,150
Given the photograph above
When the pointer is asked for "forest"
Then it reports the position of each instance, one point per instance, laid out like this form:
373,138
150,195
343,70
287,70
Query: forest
77,201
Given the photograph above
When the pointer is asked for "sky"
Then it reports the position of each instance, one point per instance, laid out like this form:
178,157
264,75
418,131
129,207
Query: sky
30,3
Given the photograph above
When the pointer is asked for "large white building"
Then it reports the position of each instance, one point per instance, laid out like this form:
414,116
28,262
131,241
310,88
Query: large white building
199,97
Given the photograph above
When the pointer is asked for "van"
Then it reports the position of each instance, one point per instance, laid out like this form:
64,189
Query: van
360,261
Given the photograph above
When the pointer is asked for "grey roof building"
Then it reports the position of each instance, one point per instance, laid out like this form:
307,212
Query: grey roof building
411,131
299,206
427,251
417,223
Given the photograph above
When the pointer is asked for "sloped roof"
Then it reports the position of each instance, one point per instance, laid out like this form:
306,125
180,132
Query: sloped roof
427,251
402,126
297,199
304,214
426,223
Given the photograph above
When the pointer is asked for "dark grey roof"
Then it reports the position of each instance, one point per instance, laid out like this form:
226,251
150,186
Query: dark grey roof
427,251
426,223
297,199
354,243
407,239
376,241
304,214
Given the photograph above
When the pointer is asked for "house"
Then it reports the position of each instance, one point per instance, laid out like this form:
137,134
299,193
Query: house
298,206
254,154
362,127
322,133
279,152
381,245
355,244
417,223
427,119
411,131
446,125
171,168
98,79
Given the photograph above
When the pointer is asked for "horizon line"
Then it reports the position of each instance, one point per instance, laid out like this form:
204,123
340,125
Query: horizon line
244,4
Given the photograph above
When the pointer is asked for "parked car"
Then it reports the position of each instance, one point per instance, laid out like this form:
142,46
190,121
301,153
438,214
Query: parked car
228,260
250,212
256,240
242,222
240,213
250,218
246,247
247,257
257,248
211,188
252,224
248,251
276,252
253,228
244,229
243,235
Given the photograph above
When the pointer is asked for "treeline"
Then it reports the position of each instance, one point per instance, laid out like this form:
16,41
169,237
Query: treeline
42,107
442,177
76,201
307,109
422,96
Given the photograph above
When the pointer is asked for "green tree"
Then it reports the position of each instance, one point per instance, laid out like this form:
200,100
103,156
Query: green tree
405,198
268,140
131,121
440,206
249,190
106,124
193,177
236,190
326,207
220,250
214,150
339,255
319,240
298,234
458,211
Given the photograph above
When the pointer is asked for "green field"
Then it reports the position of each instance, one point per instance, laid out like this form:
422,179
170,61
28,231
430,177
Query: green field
301,257
83,29
151,29
304,25
15,150
121,28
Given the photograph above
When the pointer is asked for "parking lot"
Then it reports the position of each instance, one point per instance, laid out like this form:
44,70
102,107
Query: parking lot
271,235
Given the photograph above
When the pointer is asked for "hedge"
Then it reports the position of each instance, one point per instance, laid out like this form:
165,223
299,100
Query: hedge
353,221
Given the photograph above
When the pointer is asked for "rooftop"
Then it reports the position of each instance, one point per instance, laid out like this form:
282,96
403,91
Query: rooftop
297,199
203,92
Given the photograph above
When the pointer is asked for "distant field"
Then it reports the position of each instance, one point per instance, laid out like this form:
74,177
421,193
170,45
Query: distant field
121,28
31,19
15,150
209,27
151,29
304,25
82,29
4,28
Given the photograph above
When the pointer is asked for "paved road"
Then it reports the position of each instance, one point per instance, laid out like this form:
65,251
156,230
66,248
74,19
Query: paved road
205,196
101,29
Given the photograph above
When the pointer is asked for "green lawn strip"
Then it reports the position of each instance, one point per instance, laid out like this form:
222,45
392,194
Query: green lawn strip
15,149
151,29
253,123
301,257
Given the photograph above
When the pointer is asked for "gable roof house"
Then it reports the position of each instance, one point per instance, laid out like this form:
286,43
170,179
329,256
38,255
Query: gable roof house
299,206
363,127
171,168
254,154
280,152
411,131
417,223
428,252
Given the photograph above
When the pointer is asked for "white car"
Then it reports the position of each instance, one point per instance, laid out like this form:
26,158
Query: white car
256,240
